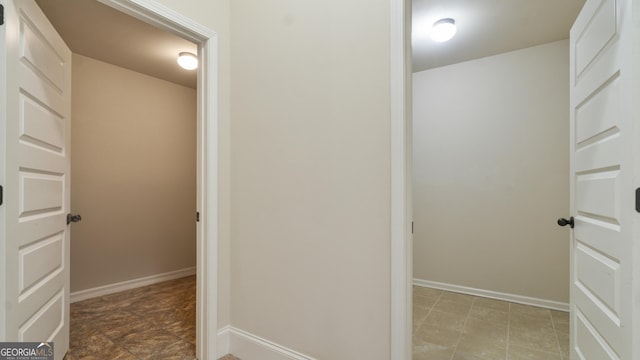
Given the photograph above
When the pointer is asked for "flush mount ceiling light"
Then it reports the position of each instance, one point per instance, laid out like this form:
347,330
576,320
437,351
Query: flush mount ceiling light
188,60
443,30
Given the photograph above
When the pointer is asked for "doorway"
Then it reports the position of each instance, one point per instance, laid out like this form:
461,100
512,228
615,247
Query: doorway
479,176
145,222
206,144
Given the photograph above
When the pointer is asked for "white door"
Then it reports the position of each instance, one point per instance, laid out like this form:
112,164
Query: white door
36,188
602,182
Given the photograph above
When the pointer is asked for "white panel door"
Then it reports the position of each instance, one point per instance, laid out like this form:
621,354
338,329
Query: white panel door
37,123
602,168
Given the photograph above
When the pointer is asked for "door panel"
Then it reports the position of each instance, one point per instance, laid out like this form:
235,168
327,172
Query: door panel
37,171
40,55
591,39
40,126
597,194
591,125
41,194
39,260
599,277
601,173
591,345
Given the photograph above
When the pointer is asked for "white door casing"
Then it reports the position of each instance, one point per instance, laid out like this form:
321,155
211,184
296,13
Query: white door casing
37,139
602,182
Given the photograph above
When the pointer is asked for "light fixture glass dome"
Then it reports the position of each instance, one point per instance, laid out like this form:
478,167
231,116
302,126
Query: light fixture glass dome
443,30
188,60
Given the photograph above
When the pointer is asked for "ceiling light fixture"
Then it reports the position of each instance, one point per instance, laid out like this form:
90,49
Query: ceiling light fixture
443,30
188,60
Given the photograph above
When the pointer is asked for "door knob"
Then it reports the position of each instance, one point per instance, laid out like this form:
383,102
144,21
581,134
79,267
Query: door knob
73,218
565,222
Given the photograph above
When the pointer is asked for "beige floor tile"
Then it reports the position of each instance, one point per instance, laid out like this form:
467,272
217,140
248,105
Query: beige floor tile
464,356
563,342
432,352
463,327
426,301
532,323
450,321
560,321
561,328
435,335
480,347
425,291
457,297
452,307
415,325
492,304
488,330
520,353
544,340
419,315
559,316
495,316
530,311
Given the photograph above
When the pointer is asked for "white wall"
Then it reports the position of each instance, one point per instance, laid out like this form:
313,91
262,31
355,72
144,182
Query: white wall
491,173
311,175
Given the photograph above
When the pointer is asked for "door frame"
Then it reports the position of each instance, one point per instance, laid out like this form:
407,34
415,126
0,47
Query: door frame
401,178
171,21
3,179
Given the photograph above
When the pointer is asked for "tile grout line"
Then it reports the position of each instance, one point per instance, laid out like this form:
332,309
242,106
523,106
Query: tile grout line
555,332
426,316
431,308
511,309
455,347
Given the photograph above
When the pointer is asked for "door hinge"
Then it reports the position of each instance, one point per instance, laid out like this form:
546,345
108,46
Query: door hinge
1,14
638,200
197,216
412,227
0,194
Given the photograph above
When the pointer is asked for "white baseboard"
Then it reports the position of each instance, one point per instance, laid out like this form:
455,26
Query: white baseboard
223,341
549,304
129,284
247,346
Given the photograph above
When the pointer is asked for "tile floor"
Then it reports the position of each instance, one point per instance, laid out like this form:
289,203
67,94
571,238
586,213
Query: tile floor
158,322
452,326
151,322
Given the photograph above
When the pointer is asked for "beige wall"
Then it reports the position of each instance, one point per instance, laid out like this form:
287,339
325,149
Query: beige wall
133,175
310,175
215,14
491,173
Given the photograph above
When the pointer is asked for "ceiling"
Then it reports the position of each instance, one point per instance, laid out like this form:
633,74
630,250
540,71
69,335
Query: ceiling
485,28
488,27
97,31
